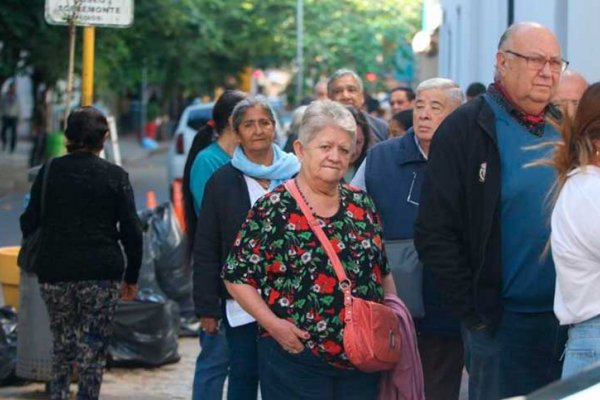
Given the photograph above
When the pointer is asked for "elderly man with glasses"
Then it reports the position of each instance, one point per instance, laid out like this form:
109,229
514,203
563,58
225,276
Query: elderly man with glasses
483,220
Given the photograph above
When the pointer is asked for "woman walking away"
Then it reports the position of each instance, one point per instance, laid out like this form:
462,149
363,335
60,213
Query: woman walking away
257,166
575,237
89,212
212,147
299,303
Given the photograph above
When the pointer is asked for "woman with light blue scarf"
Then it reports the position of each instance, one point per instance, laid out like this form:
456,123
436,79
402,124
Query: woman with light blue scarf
257,167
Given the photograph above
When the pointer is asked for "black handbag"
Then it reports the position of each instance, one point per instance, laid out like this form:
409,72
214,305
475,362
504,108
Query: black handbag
32,244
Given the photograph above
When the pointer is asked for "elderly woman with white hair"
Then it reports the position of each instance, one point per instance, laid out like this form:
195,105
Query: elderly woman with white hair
279,272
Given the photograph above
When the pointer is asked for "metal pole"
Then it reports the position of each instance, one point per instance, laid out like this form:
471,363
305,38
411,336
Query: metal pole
69,94
299,49
89,35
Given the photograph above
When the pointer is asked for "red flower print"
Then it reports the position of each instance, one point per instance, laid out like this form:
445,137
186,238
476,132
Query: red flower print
377,241
332,347
327,283
299,221
358,213
273,296
275,268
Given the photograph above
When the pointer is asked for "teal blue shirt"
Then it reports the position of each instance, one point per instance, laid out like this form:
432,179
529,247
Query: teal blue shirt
206,163
528,278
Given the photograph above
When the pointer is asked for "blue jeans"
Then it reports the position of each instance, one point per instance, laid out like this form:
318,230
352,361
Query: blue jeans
211,367
522,355
306,376
243,361
583,347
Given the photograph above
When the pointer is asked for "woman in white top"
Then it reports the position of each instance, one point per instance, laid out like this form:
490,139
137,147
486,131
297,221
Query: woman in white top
575,235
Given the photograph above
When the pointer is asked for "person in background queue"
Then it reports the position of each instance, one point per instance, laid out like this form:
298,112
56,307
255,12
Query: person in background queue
570,89
346,87
212,148
394,170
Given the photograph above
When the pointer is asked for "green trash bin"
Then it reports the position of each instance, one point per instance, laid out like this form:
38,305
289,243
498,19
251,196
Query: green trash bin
55,146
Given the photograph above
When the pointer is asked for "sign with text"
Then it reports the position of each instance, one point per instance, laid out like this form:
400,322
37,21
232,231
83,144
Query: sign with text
109,13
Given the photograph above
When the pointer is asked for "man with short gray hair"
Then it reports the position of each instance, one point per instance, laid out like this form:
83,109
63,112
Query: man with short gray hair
392,174
483,221
346,87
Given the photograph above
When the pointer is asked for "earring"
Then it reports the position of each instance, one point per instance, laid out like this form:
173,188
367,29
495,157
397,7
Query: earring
597,152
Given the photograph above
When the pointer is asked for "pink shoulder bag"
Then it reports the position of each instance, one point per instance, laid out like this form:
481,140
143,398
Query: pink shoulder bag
371,333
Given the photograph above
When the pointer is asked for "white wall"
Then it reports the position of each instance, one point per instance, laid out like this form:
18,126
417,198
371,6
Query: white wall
471,29
583,38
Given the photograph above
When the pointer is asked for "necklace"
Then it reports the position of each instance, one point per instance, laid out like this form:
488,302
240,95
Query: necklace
312,210
304,197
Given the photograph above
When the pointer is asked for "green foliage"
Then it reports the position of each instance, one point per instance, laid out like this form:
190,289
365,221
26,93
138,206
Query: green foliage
200,44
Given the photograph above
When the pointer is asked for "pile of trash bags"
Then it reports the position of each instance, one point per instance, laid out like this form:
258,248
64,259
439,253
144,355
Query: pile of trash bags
146,330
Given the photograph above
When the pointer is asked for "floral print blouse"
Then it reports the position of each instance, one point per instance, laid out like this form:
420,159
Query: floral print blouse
277,252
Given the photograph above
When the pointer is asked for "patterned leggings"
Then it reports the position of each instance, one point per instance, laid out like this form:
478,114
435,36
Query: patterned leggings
81,315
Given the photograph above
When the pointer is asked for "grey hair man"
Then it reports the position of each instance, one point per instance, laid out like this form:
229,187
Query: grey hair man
483,224
570,89
393,173
346,87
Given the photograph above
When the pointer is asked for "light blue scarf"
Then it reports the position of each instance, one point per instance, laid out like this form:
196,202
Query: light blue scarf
284,167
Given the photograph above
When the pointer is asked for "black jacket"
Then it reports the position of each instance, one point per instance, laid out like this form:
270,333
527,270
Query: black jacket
457,233
225,205
89,209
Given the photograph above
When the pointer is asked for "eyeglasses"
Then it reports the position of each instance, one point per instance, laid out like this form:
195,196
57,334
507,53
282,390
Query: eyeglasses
409,199
538,62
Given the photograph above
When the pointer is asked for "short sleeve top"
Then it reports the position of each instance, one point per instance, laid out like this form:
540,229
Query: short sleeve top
277,253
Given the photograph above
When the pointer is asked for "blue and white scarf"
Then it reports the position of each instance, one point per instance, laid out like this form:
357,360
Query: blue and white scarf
285,166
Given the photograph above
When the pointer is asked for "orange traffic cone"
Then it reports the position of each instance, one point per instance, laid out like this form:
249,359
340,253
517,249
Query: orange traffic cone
178,207
151,200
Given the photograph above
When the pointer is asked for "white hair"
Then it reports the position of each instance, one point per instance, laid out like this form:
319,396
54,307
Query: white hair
323,113
448,86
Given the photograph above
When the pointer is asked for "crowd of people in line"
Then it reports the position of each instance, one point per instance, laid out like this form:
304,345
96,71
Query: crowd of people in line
479,212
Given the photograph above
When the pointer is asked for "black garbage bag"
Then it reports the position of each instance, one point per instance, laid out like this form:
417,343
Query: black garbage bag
173,276
145,333
8,345
147,282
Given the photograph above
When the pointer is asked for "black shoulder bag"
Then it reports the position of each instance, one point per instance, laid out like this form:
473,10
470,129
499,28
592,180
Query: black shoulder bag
31,245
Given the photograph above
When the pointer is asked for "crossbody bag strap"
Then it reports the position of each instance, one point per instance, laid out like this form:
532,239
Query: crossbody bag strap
44,186
291,187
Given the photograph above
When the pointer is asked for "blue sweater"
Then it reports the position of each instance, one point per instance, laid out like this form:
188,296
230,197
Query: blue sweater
206,163
528,279
394,175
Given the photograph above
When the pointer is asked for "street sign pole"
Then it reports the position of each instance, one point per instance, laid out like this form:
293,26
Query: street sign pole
69,94
89,35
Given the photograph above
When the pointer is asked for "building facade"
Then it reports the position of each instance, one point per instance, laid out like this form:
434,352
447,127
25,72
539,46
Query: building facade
470,29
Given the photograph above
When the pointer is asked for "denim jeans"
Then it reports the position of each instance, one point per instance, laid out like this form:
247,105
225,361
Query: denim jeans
306,376
522,355
212,365
243,361
583,347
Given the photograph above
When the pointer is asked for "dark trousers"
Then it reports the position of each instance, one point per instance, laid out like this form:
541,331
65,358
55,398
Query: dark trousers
442,358
9,124
521,356
81,315
243,361
305,376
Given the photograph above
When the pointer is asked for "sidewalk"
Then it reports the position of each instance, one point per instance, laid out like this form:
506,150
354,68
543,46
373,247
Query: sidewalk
173,381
